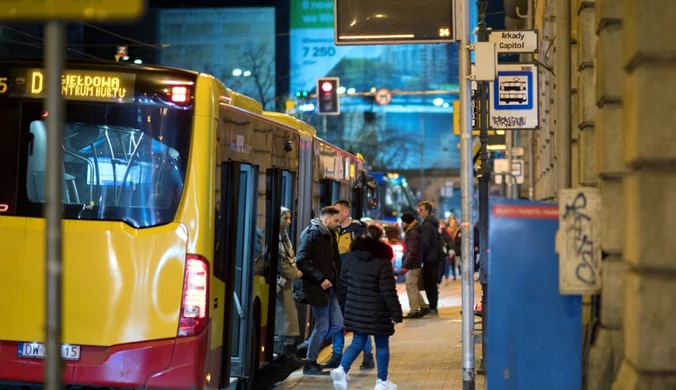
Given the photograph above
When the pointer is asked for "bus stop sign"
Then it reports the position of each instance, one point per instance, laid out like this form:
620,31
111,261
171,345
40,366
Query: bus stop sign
88,10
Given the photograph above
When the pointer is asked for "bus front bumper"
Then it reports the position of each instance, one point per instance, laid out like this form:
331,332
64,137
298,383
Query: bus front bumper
178,363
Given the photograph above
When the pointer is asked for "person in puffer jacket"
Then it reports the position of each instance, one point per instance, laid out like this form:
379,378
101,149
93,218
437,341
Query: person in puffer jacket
372,307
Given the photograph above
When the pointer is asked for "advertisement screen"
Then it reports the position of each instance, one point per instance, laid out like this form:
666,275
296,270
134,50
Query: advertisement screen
386,21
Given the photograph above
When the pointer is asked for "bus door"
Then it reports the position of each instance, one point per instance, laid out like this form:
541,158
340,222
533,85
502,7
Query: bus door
288,200
245,236
280,193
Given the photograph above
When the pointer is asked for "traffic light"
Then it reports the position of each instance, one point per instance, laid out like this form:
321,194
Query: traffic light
328,101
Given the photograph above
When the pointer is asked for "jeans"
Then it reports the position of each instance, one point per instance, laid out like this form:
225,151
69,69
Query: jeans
339,339
453,261
328,321
430,271
382,353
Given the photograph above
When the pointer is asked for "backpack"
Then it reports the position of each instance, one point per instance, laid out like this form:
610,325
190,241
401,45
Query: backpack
345,241
442,249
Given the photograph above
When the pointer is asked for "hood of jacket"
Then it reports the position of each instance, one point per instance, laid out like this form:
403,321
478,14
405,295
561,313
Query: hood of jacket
352,227
433,220
318,225
412,226
378,249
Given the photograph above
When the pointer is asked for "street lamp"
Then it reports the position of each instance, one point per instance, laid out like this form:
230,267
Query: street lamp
237,72
247,73
438,102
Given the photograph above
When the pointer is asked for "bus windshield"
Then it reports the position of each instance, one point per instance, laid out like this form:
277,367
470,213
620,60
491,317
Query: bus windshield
122,162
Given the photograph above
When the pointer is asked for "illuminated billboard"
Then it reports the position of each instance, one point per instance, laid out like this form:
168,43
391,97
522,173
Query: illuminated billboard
360,22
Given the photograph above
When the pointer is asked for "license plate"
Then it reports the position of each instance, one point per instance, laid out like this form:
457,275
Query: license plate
37,351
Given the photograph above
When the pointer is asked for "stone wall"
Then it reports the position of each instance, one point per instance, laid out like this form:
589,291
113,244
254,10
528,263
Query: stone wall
623,141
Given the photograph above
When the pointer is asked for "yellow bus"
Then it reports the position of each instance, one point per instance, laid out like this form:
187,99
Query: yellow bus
172,186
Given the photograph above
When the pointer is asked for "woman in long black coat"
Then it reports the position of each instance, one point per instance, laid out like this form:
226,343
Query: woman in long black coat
367,286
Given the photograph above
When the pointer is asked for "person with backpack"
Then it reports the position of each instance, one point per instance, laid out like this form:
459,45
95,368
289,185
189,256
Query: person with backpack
349,230
372,307
411,265
431,246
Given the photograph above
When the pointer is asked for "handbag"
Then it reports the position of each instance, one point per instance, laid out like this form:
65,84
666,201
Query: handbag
281,282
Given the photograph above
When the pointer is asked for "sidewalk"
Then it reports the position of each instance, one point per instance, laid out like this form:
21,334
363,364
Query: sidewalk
424,353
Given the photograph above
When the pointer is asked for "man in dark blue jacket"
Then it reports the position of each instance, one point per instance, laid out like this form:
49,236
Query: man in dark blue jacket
319,261
430,248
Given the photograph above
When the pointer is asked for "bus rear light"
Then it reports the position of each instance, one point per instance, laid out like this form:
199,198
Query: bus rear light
179,94
194,308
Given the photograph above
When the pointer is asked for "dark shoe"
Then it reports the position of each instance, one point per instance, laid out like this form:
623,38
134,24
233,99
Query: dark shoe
413,315
290,350
334,362
368,363
301,349
312,368
425,311
434,312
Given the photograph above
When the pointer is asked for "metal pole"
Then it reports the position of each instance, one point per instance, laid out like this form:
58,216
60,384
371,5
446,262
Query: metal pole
422,156
484,185
529,58
563,76
468,375
508,154
54,62
324,131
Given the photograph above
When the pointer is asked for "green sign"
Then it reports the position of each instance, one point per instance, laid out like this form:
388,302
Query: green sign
91,10
311,13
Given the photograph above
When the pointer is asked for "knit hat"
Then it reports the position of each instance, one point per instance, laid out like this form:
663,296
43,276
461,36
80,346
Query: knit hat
408,218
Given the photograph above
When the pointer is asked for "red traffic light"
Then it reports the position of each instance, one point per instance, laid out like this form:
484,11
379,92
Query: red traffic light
328,100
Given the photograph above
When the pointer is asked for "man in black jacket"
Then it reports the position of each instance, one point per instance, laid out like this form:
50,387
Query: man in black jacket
411,265
319,261
429,243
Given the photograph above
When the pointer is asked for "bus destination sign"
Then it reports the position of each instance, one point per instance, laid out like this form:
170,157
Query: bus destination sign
84,85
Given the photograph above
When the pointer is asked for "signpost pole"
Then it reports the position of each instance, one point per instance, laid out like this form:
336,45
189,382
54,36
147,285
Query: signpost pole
508,153
466,172
324,130
54,63
484,183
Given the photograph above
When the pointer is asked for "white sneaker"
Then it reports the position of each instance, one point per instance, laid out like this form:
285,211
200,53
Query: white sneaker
385,385
339,378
